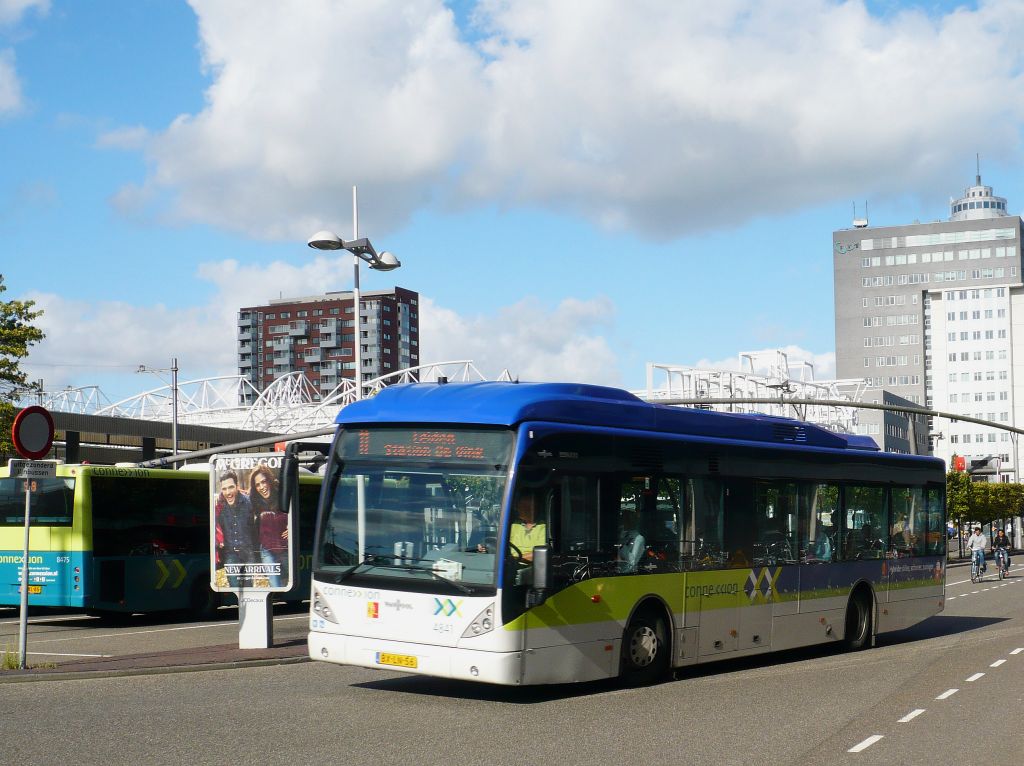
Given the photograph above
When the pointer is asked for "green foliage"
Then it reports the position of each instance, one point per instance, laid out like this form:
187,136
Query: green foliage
981,502
9,660
17,334
958,497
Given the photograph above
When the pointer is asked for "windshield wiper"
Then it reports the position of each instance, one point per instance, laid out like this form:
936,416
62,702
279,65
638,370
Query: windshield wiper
345,575
388,562
442,578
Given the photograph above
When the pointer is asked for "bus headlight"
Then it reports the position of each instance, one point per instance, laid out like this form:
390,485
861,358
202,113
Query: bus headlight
321,609
484,623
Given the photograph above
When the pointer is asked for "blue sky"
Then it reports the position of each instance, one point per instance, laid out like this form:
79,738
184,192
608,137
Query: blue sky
575,188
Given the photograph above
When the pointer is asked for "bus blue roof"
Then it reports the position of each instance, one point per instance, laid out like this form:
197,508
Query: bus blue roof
508,404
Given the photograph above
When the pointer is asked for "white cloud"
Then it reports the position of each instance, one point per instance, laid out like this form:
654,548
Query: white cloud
123,335
12,11
10,87
764,361
531,341
134,137
661,116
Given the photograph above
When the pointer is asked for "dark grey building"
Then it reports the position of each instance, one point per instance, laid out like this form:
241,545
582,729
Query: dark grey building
925,311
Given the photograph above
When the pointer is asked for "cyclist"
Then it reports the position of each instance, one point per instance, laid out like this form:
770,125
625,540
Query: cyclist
977,544
1001,550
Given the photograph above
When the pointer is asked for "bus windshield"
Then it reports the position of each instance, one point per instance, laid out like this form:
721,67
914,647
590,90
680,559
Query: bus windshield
428,502
51,504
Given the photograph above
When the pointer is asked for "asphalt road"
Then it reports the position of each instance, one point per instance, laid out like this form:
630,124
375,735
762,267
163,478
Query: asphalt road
963,670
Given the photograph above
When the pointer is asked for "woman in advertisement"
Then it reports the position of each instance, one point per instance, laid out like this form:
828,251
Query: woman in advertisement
271,522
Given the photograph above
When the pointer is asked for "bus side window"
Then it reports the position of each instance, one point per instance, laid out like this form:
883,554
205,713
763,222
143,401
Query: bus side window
907,534
822,524
703,525
578,522
739,526
865,522
777,512
936,523
662,528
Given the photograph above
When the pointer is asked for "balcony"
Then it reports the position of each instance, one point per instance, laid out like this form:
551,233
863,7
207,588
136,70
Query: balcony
299,329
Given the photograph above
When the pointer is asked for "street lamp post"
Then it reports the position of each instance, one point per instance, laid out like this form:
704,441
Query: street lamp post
173,369
362,250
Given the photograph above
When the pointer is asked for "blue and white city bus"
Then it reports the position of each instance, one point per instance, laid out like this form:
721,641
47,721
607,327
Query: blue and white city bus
660,537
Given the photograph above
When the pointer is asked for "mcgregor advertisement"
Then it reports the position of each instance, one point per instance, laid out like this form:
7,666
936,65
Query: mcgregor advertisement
251,532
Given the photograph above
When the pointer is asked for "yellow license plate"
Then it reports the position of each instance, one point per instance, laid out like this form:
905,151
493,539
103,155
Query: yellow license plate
398,660
33,589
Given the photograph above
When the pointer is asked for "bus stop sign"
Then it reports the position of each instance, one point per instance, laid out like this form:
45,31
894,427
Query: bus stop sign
32,432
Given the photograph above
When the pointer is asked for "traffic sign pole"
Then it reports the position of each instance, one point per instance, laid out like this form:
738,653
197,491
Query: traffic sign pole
23,621
32,435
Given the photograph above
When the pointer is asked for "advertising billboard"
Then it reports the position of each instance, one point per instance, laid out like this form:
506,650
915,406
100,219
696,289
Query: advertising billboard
251,522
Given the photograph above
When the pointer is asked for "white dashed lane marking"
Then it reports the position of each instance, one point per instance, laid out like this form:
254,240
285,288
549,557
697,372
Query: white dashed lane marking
860,747
865,744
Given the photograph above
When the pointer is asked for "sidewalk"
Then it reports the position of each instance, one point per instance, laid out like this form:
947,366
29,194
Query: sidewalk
222,657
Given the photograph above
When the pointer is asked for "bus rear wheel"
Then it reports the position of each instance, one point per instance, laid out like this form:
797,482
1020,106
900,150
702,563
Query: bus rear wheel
645,648
858,622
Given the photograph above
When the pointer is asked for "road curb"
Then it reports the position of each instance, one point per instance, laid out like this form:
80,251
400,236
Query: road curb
28,676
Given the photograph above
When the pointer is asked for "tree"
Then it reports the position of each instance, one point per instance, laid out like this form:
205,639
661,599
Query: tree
958,500
17,333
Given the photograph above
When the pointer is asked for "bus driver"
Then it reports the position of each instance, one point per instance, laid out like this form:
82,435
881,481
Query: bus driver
525,532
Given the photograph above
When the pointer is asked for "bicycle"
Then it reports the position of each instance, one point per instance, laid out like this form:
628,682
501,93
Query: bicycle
976,573
1001,566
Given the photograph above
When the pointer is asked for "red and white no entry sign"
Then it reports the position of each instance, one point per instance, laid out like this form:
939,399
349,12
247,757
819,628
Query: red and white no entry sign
32,432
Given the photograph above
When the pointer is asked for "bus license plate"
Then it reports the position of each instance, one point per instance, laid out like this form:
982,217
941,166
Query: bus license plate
398,660
33,589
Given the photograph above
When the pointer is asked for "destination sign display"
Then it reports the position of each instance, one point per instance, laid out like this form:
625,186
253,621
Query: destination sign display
433,444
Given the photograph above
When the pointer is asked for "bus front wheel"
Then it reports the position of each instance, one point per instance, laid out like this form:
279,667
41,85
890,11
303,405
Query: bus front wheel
645,648
858,621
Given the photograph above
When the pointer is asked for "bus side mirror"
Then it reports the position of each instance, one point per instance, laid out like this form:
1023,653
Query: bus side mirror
541,567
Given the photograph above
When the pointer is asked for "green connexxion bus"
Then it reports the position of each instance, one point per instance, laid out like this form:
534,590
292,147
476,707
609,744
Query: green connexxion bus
111,539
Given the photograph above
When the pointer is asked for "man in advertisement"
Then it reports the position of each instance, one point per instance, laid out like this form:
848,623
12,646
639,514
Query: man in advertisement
236,541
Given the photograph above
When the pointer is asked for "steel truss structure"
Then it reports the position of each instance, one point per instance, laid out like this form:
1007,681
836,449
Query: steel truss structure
788,385
289,405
